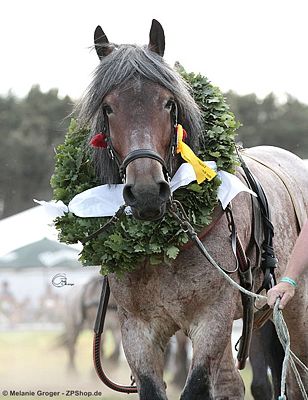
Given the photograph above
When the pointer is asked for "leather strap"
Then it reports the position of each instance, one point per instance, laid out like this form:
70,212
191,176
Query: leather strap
98,330
269,261
141,153
245,275
216,216
262,316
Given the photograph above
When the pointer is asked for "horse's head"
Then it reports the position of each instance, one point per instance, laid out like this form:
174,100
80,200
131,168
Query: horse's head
141,129
136,99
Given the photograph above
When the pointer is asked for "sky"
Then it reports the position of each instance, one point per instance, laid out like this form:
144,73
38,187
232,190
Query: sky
248,46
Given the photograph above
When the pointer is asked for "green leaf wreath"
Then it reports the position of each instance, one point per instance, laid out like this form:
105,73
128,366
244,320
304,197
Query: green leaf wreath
129,242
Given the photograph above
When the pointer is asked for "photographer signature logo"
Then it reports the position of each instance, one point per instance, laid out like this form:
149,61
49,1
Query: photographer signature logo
60,280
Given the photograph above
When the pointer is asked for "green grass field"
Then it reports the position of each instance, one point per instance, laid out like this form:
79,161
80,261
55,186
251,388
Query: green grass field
31,361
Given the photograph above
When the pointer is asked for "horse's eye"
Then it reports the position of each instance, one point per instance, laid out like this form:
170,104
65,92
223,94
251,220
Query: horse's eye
169,105
108,110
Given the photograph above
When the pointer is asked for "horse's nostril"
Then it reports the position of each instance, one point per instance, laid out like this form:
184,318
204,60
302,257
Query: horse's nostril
128,195
164,191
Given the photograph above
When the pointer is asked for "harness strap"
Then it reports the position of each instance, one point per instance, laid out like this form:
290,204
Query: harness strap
269,261
216,217
246,281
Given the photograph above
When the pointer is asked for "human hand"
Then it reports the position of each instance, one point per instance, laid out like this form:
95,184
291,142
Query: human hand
283,290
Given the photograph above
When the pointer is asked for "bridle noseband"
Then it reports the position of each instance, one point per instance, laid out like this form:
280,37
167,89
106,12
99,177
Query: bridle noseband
144,153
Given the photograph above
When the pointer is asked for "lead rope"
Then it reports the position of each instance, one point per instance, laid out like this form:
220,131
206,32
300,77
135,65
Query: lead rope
290,357
279,322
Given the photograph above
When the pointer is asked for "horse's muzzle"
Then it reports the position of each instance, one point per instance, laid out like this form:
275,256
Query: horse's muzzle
148,202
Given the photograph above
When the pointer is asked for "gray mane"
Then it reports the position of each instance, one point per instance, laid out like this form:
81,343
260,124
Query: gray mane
124,65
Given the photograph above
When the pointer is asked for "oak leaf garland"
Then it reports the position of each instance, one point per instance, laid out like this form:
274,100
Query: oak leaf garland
131,242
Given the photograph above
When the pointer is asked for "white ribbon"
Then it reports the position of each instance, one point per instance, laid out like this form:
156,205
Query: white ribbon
105,200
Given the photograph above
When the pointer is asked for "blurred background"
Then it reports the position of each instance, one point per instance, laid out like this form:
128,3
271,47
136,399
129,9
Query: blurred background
255,51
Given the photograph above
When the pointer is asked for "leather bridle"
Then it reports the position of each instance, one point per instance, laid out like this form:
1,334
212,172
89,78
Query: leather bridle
167,164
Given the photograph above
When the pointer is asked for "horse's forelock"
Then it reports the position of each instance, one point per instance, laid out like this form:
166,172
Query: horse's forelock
124,65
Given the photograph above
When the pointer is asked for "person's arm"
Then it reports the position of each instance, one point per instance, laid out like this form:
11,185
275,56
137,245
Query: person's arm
298,262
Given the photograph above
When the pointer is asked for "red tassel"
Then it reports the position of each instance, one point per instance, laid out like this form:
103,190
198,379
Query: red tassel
99,140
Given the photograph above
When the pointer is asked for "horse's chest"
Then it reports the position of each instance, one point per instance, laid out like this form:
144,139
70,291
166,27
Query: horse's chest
180,290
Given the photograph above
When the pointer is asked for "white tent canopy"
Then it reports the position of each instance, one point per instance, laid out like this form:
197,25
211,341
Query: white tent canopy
24,228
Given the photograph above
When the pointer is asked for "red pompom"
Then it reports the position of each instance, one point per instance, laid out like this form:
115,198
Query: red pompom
99,140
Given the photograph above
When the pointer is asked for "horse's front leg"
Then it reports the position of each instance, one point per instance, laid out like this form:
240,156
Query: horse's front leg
144,343
212,374
228,384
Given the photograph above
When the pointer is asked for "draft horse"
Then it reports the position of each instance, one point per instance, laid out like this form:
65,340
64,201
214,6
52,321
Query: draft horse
134,94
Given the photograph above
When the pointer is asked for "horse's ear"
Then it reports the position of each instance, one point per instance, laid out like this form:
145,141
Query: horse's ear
157,38
101,43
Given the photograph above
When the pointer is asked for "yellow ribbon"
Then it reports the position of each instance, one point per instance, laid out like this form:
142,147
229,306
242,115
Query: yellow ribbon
202,171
